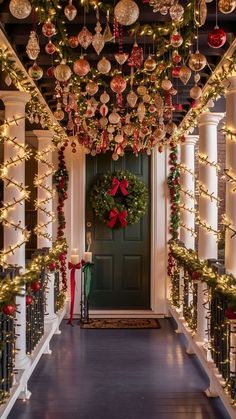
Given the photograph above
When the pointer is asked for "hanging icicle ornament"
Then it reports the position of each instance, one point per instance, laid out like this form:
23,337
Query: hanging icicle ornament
70,11
126,12
85,37
32,47
98,41
20,9
107,34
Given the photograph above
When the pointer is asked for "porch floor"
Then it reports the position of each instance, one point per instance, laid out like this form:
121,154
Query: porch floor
118,374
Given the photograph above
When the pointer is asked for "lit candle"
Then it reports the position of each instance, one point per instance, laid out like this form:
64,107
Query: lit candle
74,252
74,259
88,257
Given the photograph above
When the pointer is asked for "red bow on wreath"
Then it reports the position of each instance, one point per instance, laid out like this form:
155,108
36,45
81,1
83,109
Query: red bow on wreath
115,215
116,184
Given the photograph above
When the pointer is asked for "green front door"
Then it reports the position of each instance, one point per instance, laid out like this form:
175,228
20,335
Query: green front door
121,276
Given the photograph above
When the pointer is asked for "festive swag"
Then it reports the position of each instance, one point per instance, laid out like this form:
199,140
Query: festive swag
119,198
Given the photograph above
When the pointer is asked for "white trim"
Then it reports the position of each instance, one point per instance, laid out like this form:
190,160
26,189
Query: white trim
75,230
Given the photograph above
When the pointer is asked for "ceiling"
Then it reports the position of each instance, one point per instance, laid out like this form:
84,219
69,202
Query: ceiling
18,32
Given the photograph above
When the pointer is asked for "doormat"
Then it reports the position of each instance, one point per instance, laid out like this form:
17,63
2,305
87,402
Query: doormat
121,324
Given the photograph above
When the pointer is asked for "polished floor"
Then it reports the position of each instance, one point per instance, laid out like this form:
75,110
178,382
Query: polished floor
118,374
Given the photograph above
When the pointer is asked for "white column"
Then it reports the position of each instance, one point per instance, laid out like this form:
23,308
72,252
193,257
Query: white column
208,207
187,181
44,167
230,242
15,108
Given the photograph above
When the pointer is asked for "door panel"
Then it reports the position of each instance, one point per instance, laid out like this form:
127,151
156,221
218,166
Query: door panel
121,275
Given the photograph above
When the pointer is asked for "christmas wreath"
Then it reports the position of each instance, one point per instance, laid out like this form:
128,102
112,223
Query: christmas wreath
119,198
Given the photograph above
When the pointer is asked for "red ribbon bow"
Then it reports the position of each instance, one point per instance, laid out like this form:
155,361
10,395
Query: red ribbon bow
114,215
72,268
116,184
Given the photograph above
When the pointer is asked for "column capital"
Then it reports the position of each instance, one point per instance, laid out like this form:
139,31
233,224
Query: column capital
231,88
11,97
43,134
190,140
210,118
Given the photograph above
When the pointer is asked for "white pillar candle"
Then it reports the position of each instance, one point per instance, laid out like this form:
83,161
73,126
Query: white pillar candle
74,251
74,259
88,257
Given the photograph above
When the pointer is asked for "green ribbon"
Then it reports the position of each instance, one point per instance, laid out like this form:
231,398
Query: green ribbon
87,278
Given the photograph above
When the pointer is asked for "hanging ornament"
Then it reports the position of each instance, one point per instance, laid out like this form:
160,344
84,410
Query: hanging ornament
176,12
136,56
118,85
107,34
227,6
49,29
166,84
62,72
185,74
114,118
197,61
9,309
104,98
98,41
195,92
20,9
35,72
176,39
32,47
70,11
59,114
141,111
81,67
121,57
171,128
150,64
202,12
126,12
8,80
175,72
50,71
142,90
104,66
216,38
176,57
103,110
91,88
132,99
73,41
50,48
197,77
85,37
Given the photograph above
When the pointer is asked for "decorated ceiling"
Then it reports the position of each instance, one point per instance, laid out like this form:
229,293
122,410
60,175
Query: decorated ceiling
119,74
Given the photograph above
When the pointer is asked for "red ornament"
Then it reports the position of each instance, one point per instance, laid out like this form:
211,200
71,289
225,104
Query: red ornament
216,38
118,84
136,56
196,275
9,309
50,71
230,314
49,29
175,72
35,286
178,107
29,300
73,41
52,266
50,48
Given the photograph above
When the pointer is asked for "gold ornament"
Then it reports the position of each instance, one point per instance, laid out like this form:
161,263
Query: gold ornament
132,99
35,72
150,64
196,92
20,9
202,12
104,66
185,74
85,37
91,88
98,41
62,72
32,47
226,6
166,84
59,114
197,61
126,12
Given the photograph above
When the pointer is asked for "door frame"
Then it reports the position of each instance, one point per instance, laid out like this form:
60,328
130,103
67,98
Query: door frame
75,216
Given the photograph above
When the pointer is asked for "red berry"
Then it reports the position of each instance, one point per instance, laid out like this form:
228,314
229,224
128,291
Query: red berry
9,309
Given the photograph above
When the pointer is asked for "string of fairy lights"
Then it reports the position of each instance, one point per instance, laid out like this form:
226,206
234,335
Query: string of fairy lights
41,183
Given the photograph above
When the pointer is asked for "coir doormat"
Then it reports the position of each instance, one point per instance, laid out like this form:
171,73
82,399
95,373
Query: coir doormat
121,324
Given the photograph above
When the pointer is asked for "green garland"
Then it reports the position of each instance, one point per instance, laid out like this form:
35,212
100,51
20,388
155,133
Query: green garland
135,202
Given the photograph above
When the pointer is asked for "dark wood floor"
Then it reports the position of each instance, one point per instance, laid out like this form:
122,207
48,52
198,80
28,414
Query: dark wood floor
118,374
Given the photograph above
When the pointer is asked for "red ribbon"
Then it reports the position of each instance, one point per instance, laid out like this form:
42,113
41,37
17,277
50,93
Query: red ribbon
116,184
115,215
72,268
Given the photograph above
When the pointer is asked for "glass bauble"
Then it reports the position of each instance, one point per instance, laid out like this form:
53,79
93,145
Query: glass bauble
50,48
8,80
104,98
98,41
104,66
142,90
226,6
132,99
197,61
70,11
32,47
150,64
49,29
35,72
81,67
195,92
171,128
103,110
175,72
121,57
176,12
20,9
119,138
146,98
176,39
126,12
59,114
118,84
176,57
62,72
216,38
166,84
114,118
107,34
85,37
73,41
202,12
50,71
141,111
91,88
185,74
160,132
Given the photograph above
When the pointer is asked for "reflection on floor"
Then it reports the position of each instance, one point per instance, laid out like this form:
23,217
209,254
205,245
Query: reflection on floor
118,374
